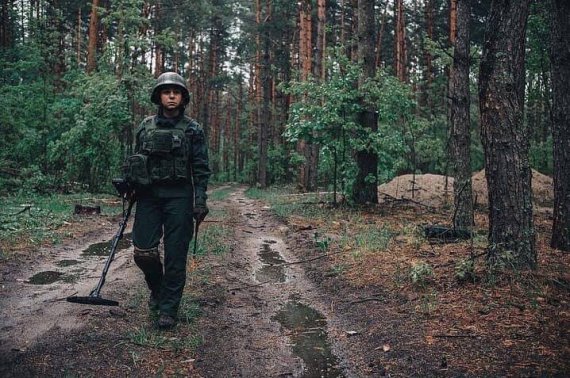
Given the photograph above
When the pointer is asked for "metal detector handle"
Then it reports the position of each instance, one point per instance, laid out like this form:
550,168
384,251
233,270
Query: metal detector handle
118,236
196,237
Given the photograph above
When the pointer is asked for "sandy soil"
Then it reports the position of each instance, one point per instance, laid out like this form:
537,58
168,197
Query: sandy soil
437,190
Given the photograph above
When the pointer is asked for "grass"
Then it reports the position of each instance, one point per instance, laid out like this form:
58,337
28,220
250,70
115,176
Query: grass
183,339
212,239
220,194
36,220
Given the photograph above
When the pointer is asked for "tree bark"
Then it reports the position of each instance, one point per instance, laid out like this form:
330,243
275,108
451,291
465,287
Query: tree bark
365,187
400,58
460,121
265,114
425,97
505,138
305,148
560,67
6,25
93,32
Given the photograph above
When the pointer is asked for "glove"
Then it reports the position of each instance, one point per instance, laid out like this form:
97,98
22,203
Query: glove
200,211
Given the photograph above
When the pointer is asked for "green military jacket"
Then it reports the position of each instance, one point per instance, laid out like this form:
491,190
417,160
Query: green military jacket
197,164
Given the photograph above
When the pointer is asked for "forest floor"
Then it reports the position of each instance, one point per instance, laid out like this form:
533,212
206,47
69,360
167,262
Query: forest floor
293,287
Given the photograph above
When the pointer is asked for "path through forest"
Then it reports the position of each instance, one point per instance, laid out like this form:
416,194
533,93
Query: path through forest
268,301
261,315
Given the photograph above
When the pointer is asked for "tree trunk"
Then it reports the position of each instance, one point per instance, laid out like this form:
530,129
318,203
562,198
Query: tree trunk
93,34
305,148
505,138
428,58
560,66
452,20
365,187
400,58
312,150
460,121
158,53
265,114
6,25
381,36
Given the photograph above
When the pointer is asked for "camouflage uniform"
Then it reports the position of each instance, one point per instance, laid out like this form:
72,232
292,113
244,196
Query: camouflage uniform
166,209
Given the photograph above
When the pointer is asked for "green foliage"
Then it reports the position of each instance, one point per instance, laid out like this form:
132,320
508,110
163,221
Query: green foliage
420,274
220,194
322,242
89,149
368,238
37,220
541,157
465,270
405,141
212,239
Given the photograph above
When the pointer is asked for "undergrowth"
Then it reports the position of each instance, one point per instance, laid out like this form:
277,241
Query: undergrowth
36,220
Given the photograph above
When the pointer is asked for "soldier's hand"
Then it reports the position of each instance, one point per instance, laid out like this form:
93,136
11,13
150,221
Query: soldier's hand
130,195
200,212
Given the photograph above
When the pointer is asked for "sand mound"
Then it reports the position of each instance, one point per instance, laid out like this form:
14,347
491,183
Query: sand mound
437,190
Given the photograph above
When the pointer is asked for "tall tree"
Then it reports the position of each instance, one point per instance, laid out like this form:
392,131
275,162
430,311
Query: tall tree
505,137
264,104
460,120
400,50
93,33
365,187
6,24
307,173
560,66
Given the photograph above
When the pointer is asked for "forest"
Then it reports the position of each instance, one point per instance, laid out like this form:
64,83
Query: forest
319,115
341,95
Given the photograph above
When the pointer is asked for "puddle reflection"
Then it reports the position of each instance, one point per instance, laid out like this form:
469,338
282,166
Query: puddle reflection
309,337
272,270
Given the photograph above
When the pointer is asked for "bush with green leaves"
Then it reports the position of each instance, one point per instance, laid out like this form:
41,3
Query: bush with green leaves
328,113
465,270
421,273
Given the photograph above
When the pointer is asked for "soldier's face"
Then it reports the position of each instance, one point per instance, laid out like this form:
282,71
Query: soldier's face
170,98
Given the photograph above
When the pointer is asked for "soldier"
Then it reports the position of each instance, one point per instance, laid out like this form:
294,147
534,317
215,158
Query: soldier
169,172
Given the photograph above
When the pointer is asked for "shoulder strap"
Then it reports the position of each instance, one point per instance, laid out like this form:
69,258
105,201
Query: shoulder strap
147,123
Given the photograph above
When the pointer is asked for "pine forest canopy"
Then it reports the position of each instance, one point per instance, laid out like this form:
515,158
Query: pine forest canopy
344,94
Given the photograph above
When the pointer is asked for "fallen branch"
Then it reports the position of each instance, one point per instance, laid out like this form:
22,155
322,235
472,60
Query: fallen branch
308,260
364,300
392,198
26,208
458,336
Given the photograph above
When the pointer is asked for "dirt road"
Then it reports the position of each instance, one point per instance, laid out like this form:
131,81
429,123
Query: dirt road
273,321
270,299
260,314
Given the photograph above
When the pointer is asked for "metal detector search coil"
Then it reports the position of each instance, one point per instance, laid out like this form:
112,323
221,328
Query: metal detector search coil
94,298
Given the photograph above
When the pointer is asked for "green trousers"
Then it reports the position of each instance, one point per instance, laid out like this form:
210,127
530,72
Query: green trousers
170,219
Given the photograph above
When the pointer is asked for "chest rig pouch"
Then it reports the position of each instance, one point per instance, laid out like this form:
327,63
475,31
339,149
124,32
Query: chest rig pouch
162,157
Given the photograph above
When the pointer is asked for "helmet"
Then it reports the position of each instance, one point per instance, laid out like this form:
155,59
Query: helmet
170,78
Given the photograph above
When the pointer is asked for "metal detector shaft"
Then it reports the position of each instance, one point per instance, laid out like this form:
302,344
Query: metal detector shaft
196,237
93,297
114,244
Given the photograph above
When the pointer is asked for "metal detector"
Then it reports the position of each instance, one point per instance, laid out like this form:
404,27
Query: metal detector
94,298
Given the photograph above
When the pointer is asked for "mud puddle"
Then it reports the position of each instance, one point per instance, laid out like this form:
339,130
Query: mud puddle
272,322
32,300
309,338
45,278
272,269
103,248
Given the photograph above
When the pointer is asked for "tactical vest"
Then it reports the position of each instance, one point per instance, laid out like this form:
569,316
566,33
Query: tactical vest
162,157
